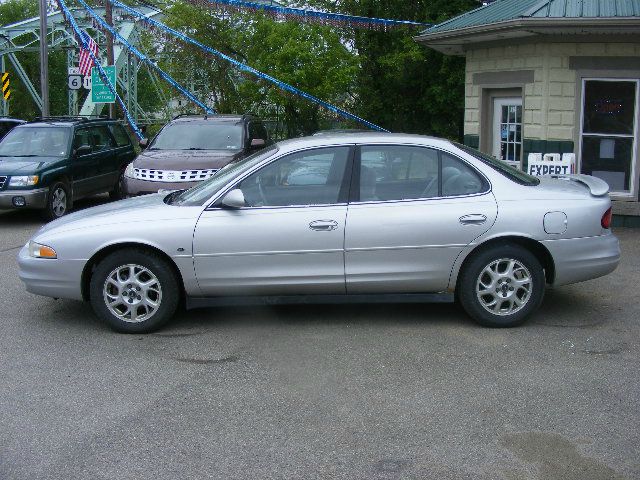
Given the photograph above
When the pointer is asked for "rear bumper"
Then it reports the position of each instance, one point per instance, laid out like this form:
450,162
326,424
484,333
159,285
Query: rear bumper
33,198
580,259
51,278
134,187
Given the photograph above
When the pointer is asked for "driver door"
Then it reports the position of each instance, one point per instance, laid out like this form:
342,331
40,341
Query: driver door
289,239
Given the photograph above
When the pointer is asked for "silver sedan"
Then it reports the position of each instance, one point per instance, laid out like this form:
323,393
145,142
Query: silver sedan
335,218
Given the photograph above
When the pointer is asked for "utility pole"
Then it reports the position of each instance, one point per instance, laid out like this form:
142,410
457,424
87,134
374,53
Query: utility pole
108,17
44,59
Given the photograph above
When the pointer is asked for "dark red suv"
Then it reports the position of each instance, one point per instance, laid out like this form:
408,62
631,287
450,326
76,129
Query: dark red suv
190,149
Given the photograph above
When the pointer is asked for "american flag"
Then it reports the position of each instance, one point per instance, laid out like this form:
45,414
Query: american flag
86,62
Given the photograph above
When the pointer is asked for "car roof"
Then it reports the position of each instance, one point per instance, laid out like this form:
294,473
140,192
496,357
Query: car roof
351,138
68,121
12,120
213,118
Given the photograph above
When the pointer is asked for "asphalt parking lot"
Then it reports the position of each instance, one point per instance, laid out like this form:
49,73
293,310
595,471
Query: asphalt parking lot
322,392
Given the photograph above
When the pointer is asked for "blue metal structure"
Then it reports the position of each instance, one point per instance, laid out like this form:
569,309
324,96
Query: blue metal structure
246,68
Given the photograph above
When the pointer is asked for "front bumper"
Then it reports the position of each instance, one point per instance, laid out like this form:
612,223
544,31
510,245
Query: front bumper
580,259
33,198
51,277
134,187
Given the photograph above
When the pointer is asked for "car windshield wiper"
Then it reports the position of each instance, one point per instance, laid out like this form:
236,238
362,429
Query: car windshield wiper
30,155
194,148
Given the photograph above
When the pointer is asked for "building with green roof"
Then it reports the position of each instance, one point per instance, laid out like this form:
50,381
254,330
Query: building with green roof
553,76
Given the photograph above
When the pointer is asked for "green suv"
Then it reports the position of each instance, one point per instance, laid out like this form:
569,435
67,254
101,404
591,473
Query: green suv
50,163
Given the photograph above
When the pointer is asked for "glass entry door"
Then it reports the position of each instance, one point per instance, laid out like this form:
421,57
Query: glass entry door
608,133
507,130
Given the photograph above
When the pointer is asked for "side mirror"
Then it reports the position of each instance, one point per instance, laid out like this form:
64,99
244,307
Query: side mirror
83,150
258,143
234,199
143,143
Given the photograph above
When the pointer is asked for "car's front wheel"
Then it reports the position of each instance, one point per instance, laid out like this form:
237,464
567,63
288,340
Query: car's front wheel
501,286
58,201
135,291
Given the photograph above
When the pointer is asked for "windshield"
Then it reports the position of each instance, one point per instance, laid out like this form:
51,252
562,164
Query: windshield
35,142
504,168
199,136
202,192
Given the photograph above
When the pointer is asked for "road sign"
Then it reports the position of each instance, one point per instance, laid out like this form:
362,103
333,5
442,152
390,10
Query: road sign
6,91
86,82
74,71
75,82
100,92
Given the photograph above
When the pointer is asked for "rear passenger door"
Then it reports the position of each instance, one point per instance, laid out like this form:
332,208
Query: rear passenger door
108,167
124,151
84,163
413,210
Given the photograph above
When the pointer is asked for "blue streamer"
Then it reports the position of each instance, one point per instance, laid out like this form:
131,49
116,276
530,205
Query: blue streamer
321,16
103,74
146,59
246,68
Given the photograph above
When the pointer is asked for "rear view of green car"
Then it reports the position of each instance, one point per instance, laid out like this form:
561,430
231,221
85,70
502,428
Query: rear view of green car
50,163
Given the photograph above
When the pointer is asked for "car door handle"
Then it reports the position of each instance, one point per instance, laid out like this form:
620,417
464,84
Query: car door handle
323,225
473,219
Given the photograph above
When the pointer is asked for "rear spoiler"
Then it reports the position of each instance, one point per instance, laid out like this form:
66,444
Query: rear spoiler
597,186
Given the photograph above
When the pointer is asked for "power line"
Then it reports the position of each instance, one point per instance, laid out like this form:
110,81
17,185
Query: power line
314,16
246,68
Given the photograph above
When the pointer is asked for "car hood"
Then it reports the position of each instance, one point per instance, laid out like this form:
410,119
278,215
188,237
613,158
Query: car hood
24,165
133,211
185,159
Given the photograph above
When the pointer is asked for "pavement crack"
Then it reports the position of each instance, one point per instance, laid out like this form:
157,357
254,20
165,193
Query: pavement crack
207,361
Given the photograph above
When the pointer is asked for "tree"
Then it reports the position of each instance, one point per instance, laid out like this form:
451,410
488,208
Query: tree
400,84
309,57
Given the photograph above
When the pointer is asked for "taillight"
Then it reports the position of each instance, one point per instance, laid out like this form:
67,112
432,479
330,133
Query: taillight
606,219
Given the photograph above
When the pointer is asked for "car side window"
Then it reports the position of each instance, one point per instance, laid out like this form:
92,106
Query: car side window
120,135
257,130
312,177
398,173
458,178
82,138
102,139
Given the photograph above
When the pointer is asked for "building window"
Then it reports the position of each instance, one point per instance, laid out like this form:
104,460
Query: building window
507,130
609,132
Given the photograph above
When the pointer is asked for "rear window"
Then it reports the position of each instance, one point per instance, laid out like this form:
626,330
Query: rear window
120,134
505,169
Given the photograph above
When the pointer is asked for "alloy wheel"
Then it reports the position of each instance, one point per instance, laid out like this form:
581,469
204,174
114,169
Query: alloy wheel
59,202
504,287
132,293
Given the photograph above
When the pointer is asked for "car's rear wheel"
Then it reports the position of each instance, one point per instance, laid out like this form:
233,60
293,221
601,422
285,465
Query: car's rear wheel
135,291
58,201
118,190
501,286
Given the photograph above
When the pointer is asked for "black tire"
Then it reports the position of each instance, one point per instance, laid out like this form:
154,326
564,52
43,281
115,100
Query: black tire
54,208
118,190
505,289
147,266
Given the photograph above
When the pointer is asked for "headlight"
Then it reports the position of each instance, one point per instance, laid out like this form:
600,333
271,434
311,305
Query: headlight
37,250
26,181
128,172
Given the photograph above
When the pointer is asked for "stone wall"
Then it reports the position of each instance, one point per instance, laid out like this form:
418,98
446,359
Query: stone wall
550,101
